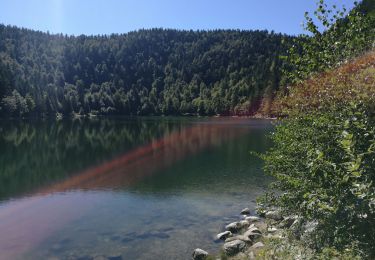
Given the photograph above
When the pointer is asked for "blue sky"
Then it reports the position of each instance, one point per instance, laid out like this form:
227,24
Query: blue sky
121,16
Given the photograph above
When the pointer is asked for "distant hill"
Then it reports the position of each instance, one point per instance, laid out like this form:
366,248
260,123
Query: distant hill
147,72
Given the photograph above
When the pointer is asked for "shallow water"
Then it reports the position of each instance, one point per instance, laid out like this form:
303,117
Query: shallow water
143,188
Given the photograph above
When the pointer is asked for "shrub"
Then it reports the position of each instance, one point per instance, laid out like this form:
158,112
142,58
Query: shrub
324,164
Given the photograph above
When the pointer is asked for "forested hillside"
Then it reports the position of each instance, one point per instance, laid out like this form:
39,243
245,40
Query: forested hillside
148,72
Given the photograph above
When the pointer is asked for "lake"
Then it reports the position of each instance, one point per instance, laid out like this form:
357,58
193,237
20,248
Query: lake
142,188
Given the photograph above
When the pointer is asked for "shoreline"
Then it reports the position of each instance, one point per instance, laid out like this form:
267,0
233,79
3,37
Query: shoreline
250,237
90,116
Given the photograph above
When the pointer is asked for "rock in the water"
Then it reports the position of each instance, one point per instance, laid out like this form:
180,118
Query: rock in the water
274,214
234,247
245,211
199,254
252,219
233,227
224,235
239,237
236,226
258,245
243,224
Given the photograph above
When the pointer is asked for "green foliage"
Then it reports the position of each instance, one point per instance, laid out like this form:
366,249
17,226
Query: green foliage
324,165
17,105
148,72
334,37
323,158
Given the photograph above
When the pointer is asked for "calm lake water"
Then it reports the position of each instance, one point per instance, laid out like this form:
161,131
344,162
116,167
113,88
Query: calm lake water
149,188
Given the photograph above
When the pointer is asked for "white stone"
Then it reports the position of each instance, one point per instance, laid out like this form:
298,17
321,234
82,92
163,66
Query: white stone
199,254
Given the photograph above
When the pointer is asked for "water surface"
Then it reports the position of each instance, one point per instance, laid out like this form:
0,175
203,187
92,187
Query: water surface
143,188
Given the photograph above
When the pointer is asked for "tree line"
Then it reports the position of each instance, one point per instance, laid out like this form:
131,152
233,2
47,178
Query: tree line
146,72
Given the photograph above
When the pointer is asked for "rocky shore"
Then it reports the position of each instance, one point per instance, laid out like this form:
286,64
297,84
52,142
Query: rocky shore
246,238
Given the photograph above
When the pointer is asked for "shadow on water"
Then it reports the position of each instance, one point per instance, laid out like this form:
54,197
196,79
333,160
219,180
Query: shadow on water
52,190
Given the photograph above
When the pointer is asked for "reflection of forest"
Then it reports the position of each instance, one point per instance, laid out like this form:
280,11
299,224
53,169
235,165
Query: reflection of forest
35,153
148,159
97,154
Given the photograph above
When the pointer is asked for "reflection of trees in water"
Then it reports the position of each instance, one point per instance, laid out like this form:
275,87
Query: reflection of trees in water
33,153
146,160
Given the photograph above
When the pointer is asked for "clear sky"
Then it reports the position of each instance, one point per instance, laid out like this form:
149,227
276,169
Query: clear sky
121,16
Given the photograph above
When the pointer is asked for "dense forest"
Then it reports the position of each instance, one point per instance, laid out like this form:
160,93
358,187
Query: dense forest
147,72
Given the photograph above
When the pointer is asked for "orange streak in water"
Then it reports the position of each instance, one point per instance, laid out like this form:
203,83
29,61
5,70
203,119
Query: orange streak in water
27,222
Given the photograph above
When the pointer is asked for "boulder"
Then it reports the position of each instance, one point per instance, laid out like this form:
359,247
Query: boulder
243,224
254,230
224,235
234,247
239,237
233,227
257,245
274,215
199,254
252,235
245,211
252,219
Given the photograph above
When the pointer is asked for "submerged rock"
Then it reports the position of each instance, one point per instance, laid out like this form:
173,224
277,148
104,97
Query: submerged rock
245,211
199,254
224,235
114,257
100,257
234,247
